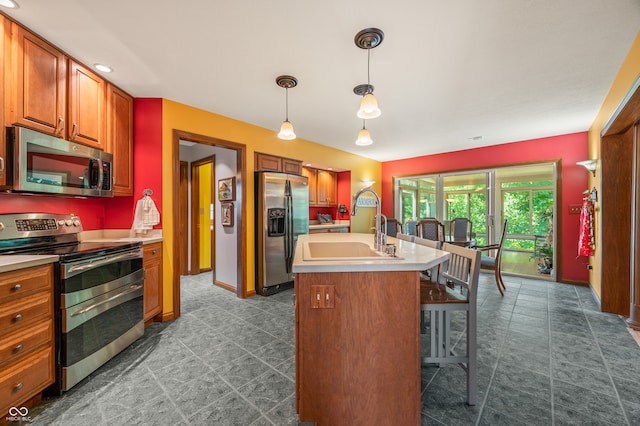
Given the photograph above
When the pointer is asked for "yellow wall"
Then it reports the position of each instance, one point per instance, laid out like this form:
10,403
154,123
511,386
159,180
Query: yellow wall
189,119
627,75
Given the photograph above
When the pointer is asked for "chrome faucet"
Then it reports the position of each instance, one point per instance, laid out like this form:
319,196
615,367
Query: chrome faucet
380,238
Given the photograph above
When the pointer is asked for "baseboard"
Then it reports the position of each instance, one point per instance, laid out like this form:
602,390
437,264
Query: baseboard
165,316
225,286
576,282
595,298
252,293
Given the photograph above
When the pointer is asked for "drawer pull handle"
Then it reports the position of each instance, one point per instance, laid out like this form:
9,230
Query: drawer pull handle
18,387
154,251
17,287
17,318
18,348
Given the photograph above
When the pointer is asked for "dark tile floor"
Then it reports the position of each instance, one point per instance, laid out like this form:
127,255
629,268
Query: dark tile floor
546,356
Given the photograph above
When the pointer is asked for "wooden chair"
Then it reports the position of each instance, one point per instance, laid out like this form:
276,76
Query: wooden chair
440,302
431,229
494,263
461,229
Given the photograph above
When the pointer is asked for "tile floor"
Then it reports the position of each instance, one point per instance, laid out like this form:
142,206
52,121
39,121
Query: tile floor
546,356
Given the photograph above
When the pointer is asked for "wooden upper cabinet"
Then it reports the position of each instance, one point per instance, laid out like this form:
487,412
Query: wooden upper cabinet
86,106
273,163
312,178
39,76
119,139
291,166
265,162
327,188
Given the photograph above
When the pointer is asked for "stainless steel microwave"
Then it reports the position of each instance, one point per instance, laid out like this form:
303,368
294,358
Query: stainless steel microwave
42,163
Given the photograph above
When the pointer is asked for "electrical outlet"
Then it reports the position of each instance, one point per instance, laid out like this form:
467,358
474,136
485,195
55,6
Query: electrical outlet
323,296
574,208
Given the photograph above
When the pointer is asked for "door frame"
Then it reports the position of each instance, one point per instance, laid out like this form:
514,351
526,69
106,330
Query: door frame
241,191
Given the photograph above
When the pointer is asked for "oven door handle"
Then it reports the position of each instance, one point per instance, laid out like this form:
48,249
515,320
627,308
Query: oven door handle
75,268
131,289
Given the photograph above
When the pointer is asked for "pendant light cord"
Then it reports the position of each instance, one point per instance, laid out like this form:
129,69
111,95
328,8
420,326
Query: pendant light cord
368,65
286,102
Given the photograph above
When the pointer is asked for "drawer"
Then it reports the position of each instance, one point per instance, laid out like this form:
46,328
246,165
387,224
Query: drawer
17,284
15,317
152,251
25,379
17,346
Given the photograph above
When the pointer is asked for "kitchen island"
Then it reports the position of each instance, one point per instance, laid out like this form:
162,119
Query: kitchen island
357,329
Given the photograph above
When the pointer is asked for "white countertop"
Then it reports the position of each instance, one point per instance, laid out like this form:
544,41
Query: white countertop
314,224
411,257
13,262
120,235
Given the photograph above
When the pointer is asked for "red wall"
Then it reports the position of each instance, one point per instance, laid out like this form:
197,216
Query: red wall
147,164
116,212
574,179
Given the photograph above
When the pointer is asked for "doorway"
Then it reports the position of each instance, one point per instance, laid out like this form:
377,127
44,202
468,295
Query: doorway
234,238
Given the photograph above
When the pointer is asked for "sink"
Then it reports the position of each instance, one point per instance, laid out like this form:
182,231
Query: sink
341,251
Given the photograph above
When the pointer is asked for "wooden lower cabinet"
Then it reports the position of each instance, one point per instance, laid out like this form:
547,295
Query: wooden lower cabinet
358,357
152,263
26,335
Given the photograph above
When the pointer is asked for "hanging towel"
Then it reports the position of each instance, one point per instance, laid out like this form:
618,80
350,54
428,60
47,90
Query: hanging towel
145,217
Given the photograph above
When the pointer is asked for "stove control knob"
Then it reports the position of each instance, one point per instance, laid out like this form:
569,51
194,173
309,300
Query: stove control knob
76,222
1,226
61,222
68,222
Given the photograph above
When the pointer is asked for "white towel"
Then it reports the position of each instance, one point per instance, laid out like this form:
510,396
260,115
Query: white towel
145,216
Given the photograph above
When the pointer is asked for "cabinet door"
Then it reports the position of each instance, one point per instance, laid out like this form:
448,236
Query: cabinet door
120,139
312,176
267,162
327,188
86,106
39,81
152,281
291,166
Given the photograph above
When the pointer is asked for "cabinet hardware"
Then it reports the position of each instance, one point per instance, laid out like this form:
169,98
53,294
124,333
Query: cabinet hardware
17,318
18,387
17,287
18,348
75,131
61,121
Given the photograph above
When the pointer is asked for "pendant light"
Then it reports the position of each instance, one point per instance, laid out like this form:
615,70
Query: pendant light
364,137
286,129
368,39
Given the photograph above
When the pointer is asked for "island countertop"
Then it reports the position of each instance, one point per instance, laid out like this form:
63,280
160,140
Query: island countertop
410,256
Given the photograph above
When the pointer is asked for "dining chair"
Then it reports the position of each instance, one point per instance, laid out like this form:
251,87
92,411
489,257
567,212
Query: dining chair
429,275
394,227
461,229
431,229
411,227
439,302
495,263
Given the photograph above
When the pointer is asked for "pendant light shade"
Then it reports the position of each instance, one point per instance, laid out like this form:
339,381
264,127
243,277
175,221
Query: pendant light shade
369,107
286,131
286,128
364,137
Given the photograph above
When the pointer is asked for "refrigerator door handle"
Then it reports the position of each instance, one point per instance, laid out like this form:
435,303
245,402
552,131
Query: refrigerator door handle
288,237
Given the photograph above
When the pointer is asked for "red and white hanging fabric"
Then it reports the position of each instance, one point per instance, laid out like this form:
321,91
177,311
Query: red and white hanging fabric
586,240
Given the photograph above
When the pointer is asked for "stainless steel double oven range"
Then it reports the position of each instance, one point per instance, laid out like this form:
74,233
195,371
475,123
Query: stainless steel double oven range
98,290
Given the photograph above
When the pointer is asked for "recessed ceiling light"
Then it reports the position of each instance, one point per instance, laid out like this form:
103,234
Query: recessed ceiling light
100,67
475,138
9,4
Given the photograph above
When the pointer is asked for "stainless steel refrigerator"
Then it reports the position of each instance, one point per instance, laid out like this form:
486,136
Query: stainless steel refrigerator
282,213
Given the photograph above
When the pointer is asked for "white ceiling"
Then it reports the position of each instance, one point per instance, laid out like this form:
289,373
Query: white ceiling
447,71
